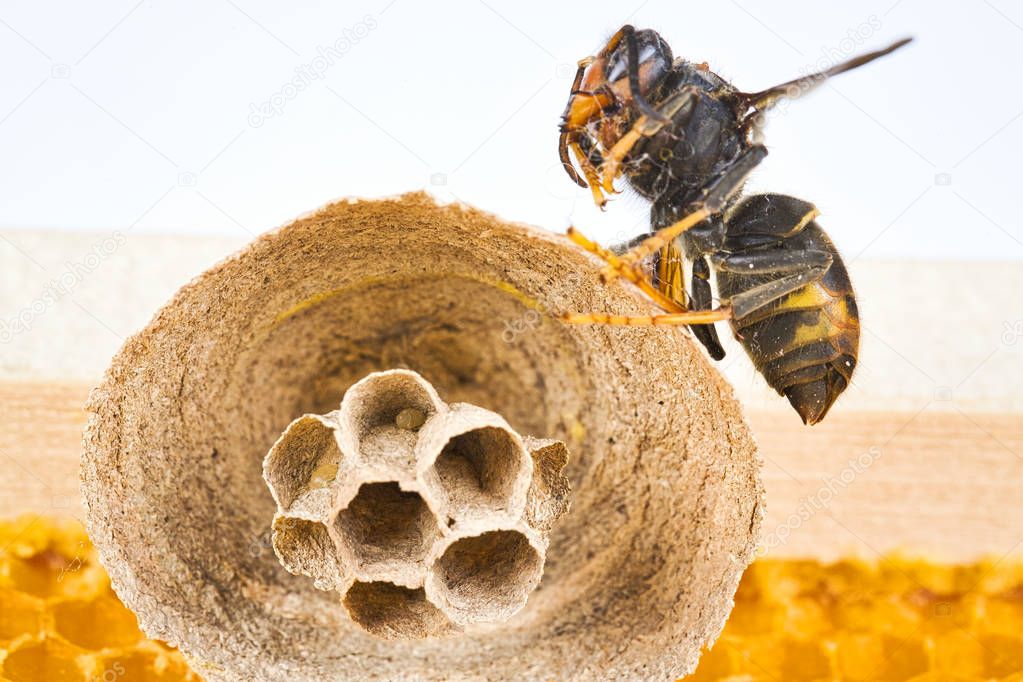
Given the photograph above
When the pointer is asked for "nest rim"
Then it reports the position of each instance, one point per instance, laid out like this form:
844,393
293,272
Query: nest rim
107,424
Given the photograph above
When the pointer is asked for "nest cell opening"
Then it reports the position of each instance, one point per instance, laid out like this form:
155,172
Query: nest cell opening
386,527
384,415
394,612
488,575
477,470
381,403
306,458
306,548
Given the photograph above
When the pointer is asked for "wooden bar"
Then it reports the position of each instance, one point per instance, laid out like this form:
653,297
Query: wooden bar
924,455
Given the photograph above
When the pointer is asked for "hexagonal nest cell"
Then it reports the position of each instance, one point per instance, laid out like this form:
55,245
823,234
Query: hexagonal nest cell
394,612
387,531
306,548
477,471
425,528
303,464
486,577
381,418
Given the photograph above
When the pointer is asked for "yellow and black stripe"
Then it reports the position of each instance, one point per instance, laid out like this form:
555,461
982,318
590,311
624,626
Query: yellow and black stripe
806,342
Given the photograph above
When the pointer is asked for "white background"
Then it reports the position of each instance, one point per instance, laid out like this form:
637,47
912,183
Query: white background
136,117
118,115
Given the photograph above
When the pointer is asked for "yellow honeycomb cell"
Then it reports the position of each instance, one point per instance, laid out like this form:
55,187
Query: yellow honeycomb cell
804,660
905,655
44,659
96,623
808,617
1003,613
855,612
759,655
1003,655
859,655
958,652
944,677
21,614
765,619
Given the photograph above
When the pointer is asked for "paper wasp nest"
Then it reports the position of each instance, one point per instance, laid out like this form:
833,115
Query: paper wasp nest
426,517
666,494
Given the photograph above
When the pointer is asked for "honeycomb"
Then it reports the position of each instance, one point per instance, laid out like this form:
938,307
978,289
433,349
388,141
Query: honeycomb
59,619
890,620
425,517
793,620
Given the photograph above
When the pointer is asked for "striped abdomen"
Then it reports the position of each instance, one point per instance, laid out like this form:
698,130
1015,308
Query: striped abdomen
806,342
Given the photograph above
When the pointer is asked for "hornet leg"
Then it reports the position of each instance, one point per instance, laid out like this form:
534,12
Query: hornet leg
643,127
640,281
701,299
667,319
677,315
590,172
